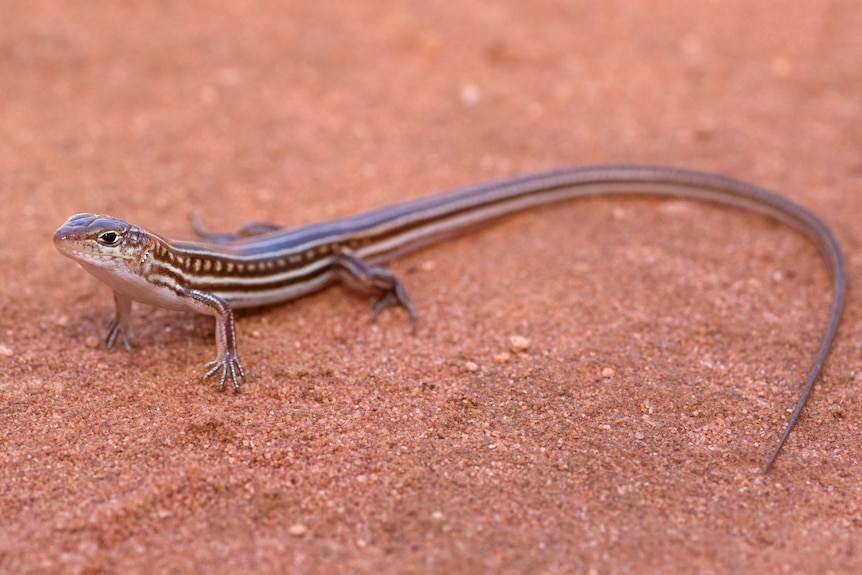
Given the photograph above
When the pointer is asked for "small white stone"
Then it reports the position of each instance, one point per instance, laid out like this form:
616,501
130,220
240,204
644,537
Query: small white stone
470,95
519,344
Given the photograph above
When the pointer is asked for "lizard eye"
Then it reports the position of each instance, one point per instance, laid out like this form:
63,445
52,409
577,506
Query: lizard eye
109,238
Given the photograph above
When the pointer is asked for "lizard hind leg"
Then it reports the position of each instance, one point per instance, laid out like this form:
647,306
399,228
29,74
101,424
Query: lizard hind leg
382,283
247,231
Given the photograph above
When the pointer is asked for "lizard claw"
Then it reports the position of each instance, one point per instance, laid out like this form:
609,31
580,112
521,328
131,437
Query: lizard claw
228,364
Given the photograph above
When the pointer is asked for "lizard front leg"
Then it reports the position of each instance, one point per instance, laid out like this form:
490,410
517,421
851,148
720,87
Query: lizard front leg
227,358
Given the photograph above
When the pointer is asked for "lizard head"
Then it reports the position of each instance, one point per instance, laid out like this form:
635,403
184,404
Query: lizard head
103,243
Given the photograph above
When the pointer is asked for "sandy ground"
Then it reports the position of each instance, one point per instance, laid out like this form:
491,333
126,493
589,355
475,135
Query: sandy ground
667,339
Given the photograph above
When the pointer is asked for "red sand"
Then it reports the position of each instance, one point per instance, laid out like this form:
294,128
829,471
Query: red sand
667,340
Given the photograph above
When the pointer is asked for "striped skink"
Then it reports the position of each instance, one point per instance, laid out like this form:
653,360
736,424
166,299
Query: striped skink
263,264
